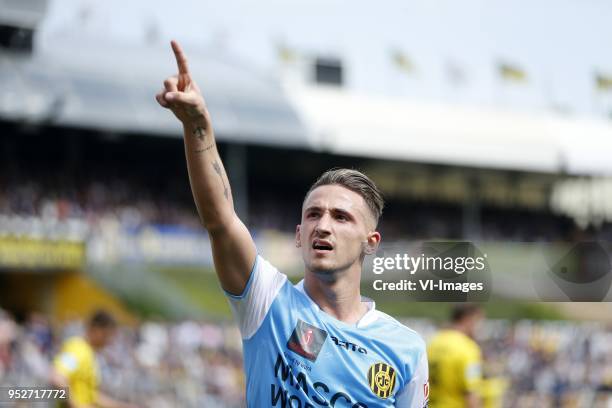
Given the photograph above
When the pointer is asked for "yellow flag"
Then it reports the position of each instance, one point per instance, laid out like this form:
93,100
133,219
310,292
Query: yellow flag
510,72
403,62
286,54
604,82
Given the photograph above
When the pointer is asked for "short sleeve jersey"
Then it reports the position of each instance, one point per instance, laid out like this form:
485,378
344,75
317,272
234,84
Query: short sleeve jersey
77,362
296,355
455,368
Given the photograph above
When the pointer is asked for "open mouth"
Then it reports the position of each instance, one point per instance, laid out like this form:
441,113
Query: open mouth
322,246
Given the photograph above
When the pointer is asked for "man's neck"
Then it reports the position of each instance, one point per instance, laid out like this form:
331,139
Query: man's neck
87,338
339,297
461,328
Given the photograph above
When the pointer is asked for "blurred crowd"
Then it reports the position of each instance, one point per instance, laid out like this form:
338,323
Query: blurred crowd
194,364
542,363
38,210
74,211
158,365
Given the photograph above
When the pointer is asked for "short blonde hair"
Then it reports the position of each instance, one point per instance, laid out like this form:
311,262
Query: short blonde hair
357,182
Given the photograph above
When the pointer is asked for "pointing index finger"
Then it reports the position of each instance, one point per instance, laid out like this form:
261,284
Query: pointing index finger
181,60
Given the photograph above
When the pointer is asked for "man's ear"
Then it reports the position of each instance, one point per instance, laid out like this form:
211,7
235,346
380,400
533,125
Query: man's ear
371,245
298,242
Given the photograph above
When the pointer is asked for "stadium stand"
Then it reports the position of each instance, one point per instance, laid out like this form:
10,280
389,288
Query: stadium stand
191,363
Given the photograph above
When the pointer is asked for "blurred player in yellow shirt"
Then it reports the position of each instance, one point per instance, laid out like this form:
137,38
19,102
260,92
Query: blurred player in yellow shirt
455,361
75,366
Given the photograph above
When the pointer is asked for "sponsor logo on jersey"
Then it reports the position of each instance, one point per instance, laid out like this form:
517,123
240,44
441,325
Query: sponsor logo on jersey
381,378
295,388
348,345
306,340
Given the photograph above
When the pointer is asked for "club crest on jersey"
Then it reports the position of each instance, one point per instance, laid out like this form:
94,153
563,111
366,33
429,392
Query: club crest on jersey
306,340
381,378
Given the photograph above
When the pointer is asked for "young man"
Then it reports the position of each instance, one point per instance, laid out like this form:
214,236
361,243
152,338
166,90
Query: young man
75,367
318,343
455,361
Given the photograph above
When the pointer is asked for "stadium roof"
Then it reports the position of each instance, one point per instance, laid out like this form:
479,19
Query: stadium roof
109,87
365,125
112,88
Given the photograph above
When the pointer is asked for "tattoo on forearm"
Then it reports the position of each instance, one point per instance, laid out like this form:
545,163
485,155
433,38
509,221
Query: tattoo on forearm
200,133
218,170
204,149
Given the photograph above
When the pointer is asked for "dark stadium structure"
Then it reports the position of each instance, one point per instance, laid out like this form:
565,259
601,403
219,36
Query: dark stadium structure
93,171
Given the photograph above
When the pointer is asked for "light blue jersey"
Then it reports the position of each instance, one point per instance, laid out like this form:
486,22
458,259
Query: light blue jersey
296,355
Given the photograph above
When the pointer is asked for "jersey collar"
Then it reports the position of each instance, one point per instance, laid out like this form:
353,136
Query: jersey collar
368,318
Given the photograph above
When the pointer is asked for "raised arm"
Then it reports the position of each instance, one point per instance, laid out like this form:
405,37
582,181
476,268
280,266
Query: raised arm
233,248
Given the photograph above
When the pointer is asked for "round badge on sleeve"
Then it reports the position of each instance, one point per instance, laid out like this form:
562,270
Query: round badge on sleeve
381,378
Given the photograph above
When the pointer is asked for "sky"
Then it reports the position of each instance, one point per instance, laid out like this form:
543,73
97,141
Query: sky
560,44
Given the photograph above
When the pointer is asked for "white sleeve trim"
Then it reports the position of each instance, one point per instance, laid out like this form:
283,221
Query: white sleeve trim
252,305
415,394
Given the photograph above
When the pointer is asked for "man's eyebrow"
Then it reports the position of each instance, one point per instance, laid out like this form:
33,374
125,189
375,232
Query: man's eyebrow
342,211
335,209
